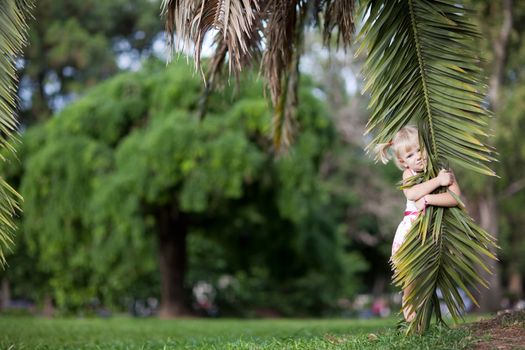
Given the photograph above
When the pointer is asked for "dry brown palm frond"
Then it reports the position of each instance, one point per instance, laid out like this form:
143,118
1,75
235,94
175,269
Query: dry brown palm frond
215,74
236,21
280,34
245,27
178,14
284,118
284,33
339,13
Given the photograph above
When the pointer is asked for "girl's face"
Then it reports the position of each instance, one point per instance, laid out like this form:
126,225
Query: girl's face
413,159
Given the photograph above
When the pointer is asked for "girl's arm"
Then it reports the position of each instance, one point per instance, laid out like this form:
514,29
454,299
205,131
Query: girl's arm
441,199
416,192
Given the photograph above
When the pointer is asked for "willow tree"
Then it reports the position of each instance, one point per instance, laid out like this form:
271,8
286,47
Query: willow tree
13,16
421,67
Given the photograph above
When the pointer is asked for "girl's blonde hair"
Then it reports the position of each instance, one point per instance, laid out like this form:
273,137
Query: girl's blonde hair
405,140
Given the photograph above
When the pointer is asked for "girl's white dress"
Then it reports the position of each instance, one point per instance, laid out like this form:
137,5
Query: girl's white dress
411,213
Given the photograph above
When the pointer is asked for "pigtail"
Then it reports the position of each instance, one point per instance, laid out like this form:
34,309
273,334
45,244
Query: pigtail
381,152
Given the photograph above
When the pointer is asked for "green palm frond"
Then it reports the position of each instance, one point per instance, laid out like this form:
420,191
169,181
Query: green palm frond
13,29
422,67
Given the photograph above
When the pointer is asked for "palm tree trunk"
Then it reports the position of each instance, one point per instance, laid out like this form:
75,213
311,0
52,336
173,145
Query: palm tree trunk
172,231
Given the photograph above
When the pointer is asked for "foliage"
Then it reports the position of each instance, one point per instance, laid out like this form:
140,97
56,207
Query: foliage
95,177
64,42
508,189
422,67
511,195
76,44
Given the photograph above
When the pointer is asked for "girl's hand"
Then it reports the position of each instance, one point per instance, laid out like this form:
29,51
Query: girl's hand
445,178
421,203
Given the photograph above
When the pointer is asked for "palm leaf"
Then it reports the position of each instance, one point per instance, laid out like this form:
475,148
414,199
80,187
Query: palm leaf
422,67
13,27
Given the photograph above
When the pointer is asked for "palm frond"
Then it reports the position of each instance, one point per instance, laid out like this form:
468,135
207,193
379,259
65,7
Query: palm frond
215,75
244,25
441,252
284,117
13,27
339,14
280,64
238,24
422,67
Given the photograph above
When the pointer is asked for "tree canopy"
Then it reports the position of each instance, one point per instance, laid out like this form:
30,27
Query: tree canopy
101,178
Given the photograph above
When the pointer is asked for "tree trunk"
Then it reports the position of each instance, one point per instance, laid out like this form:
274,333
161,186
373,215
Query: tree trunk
5,295
515,283
171,233
380,283
48,309
490,299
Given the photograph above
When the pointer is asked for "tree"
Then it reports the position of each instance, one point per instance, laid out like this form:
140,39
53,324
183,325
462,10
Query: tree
108,184
496,22
65,38
501,23
72,45
76,44
510,194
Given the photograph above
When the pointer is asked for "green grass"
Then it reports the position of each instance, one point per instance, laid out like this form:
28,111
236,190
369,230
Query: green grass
119,333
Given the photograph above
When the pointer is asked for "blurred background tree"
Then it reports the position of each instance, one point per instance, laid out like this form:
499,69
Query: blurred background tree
491,201
509,141
347,171
109,186
75,44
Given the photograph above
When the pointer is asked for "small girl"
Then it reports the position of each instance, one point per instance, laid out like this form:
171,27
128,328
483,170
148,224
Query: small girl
412,160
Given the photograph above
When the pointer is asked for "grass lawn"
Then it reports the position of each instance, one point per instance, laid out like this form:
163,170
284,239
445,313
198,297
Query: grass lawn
119,333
